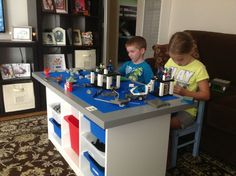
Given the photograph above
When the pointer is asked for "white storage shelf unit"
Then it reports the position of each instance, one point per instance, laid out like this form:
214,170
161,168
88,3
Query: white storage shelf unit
79,163
123,144
135,139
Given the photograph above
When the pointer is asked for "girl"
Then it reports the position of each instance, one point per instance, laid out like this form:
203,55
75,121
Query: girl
191,77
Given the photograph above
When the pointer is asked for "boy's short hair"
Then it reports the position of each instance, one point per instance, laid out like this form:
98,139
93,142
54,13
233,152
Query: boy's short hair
137,41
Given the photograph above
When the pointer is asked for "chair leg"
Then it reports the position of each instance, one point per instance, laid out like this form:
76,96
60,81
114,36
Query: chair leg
197,142
174,149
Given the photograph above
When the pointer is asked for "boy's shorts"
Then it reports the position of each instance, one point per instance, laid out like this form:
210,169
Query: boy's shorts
185,118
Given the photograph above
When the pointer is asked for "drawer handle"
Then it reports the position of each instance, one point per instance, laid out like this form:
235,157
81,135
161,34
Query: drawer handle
18,89
86,55
95,171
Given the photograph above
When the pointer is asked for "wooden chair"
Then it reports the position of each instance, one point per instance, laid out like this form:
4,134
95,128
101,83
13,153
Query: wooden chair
196,128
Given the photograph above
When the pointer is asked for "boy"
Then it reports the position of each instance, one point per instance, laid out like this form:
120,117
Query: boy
136,69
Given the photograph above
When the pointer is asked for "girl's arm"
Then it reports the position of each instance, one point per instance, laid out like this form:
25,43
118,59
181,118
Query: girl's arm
203,92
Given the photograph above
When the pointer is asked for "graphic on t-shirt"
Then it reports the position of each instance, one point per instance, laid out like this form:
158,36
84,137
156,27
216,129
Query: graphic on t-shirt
182,77
134,73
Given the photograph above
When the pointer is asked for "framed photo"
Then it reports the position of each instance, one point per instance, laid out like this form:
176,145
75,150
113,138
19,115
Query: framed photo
61,6
85,59
87,38
21,70
48,6
22,33
81,6
7,71
77,40
59,35
55,62
16,70
48,38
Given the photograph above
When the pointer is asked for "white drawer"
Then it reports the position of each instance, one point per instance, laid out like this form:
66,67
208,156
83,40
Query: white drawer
56,115
97,155
18,96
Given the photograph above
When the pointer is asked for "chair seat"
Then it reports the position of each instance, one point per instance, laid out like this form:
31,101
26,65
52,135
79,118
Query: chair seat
187,130
194,128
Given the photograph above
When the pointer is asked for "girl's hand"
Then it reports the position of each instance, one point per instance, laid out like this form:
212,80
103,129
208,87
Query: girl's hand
179,90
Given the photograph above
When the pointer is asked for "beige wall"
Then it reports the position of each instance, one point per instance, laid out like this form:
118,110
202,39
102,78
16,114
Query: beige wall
208,15
15,15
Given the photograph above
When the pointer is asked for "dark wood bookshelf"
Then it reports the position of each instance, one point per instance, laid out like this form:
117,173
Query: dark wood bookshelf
11,43
42,21
30,56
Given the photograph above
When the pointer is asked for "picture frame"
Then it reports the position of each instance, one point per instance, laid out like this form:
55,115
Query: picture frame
55,62
85,59
48,6
21,70
81,7
48,38
77,40
15,70
7,71
87,38
59,35
21,33
61,6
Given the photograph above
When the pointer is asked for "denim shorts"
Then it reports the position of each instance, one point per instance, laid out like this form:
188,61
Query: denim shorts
185,118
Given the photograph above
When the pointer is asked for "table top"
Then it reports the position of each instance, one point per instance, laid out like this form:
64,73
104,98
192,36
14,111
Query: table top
108,115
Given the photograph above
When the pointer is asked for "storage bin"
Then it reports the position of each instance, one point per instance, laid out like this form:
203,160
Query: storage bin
97,130
74,132
88,139
95,168
56,111
57,127
18,96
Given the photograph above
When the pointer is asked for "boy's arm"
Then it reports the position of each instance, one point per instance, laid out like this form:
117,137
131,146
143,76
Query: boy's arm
122,69
148,74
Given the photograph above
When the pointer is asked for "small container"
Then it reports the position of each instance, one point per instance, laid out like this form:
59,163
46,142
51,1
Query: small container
46,72
152,84
56,126
161,89
100,80
95,168
92,77
108,82
97,131
118,81
105,71
171,87
74,132
68,86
